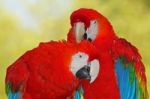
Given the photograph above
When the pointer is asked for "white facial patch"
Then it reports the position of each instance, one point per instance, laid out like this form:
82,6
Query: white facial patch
79,60
92,30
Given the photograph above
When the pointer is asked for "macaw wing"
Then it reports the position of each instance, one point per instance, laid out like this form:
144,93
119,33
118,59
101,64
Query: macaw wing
78,94
16,76
10,93
130,71
127,81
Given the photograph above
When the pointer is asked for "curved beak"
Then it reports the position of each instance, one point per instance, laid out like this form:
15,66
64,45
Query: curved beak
84,73
90,71
79,30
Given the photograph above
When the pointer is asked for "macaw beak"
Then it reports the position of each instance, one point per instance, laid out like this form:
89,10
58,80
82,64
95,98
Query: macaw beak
79,30
90,71
84,73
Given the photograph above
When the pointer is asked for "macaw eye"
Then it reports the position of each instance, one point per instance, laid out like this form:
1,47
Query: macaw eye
83,33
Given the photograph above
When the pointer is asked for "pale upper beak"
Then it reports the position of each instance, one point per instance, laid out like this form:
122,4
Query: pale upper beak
79,30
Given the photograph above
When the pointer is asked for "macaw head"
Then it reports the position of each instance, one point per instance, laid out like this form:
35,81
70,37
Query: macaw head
84,62
82,59
76,62
88,24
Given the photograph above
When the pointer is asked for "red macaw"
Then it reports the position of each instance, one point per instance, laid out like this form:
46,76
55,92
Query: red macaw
122,74
53,70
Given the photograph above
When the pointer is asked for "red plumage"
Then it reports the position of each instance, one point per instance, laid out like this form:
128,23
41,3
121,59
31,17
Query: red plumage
44,72
110,47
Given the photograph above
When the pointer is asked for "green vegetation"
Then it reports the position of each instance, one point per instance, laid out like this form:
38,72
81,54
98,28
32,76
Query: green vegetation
46,20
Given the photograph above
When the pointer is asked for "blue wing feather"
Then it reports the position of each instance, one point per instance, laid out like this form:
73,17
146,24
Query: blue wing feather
127,89
78,94
12,95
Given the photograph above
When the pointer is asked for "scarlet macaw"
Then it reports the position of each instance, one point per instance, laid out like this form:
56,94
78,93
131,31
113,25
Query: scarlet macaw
53,70
122,74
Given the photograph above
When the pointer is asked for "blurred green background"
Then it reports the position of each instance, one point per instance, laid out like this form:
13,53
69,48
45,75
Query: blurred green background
25,23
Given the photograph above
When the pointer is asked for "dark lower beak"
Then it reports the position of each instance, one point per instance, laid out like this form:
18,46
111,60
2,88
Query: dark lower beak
84,73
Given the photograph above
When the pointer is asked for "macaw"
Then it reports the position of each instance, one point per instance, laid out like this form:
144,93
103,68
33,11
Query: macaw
122,74
53,70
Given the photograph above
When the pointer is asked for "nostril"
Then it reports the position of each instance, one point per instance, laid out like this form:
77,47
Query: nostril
85,36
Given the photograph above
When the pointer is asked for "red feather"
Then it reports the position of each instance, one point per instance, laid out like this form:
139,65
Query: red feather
110,47
43,73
